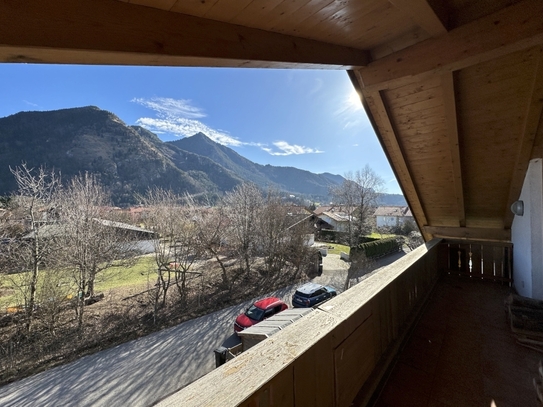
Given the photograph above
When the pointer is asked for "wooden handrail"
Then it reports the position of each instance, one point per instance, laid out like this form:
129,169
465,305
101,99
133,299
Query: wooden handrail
331,356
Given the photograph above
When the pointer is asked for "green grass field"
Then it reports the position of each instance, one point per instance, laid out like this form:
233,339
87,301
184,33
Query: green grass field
338,248
137,274
115,277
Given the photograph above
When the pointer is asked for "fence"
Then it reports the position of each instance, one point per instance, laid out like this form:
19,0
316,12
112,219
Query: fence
482,260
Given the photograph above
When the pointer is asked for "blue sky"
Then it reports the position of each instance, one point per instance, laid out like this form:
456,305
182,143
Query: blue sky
308,119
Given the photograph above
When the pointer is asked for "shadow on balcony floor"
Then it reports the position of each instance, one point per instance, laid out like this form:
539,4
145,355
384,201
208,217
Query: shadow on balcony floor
463,353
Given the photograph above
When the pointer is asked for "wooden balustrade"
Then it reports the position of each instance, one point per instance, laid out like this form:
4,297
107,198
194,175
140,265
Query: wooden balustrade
482,260
335,355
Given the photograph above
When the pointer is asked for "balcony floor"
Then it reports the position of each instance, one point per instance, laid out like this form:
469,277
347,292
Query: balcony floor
463,353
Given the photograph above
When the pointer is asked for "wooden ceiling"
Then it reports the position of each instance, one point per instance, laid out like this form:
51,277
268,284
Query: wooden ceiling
454,88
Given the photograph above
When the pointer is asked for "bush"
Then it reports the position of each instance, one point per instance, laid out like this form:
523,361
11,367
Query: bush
332,236
377,248
367,239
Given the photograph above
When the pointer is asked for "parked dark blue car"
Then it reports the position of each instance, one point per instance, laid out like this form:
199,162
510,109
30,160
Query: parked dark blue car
311,294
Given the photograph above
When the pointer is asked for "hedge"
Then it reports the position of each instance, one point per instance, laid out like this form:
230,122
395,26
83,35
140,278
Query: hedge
332,236
377,248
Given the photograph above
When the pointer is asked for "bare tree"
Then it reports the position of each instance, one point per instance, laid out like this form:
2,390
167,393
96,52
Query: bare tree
186,245
359,195
34,204
212,224
244,204
360,265
55,289
176,245
91,244
162,206
273,238
302,256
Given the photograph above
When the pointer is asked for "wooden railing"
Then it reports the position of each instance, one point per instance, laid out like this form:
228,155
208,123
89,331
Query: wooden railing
334,356
480,260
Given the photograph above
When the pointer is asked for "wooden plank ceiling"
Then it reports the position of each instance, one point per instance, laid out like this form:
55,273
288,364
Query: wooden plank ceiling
454,88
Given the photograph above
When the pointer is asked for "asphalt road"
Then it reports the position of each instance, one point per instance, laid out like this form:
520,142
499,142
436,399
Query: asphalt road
143,371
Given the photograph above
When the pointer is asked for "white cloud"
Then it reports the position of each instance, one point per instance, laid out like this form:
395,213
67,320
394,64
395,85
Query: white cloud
178,117
317,86
182,127
285,148
30,103
174,108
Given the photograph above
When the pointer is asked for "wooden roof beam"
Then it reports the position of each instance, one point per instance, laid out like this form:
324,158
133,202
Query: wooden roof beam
485,234
375,108
114,32
532,120
449,103
422,14
511,29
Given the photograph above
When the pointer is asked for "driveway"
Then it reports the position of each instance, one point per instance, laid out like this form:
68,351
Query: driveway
143,371
136,373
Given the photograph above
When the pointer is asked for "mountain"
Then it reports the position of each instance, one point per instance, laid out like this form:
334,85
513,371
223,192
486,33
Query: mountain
392,200
131,159
128,159
288,179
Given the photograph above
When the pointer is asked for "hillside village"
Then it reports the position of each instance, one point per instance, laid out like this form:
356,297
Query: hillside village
173,256
452,90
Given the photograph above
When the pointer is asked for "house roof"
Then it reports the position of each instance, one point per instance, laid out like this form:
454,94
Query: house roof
321,209
337,216
55,229
400,211
121,225
453,88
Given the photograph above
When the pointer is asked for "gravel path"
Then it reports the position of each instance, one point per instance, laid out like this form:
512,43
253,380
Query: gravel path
335,270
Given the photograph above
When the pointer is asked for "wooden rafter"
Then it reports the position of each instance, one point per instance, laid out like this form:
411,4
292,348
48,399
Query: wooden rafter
422,14
377,112
449,104
513,28
532,120
114,32
468,233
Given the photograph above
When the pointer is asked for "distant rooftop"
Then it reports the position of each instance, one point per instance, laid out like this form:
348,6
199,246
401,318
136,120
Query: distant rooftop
393,211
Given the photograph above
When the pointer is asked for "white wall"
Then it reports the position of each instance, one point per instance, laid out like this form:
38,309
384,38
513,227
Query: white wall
527,235
387,221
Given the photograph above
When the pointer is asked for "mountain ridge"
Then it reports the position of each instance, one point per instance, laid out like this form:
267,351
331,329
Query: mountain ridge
130,159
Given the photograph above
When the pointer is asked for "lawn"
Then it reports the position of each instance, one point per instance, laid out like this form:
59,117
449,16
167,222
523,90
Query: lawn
335,248
138,274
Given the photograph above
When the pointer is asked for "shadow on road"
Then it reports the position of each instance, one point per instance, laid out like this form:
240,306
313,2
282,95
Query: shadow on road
144,371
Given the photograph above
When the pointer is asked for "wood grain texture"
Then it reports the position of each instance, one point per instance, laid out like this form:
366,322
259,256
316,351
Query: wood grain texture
112,32
325,357
512,29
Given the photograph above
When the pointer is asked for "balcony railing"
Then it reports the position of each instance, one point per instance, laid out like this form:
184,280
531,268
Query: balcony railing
479,260
335,355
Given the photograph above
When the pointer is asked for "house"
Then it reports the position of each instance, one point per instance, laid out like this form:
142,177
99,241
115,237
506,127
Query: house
332,218
335,220
392,216
454,92
131,232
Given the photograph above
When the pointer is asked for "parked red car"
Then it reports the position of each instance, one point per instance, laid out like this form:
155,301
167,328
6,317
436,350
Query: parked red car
259,311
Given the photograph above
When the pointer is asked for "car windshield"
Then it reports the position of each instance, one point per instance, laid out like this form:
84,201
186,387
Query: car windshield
303,295
255,313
